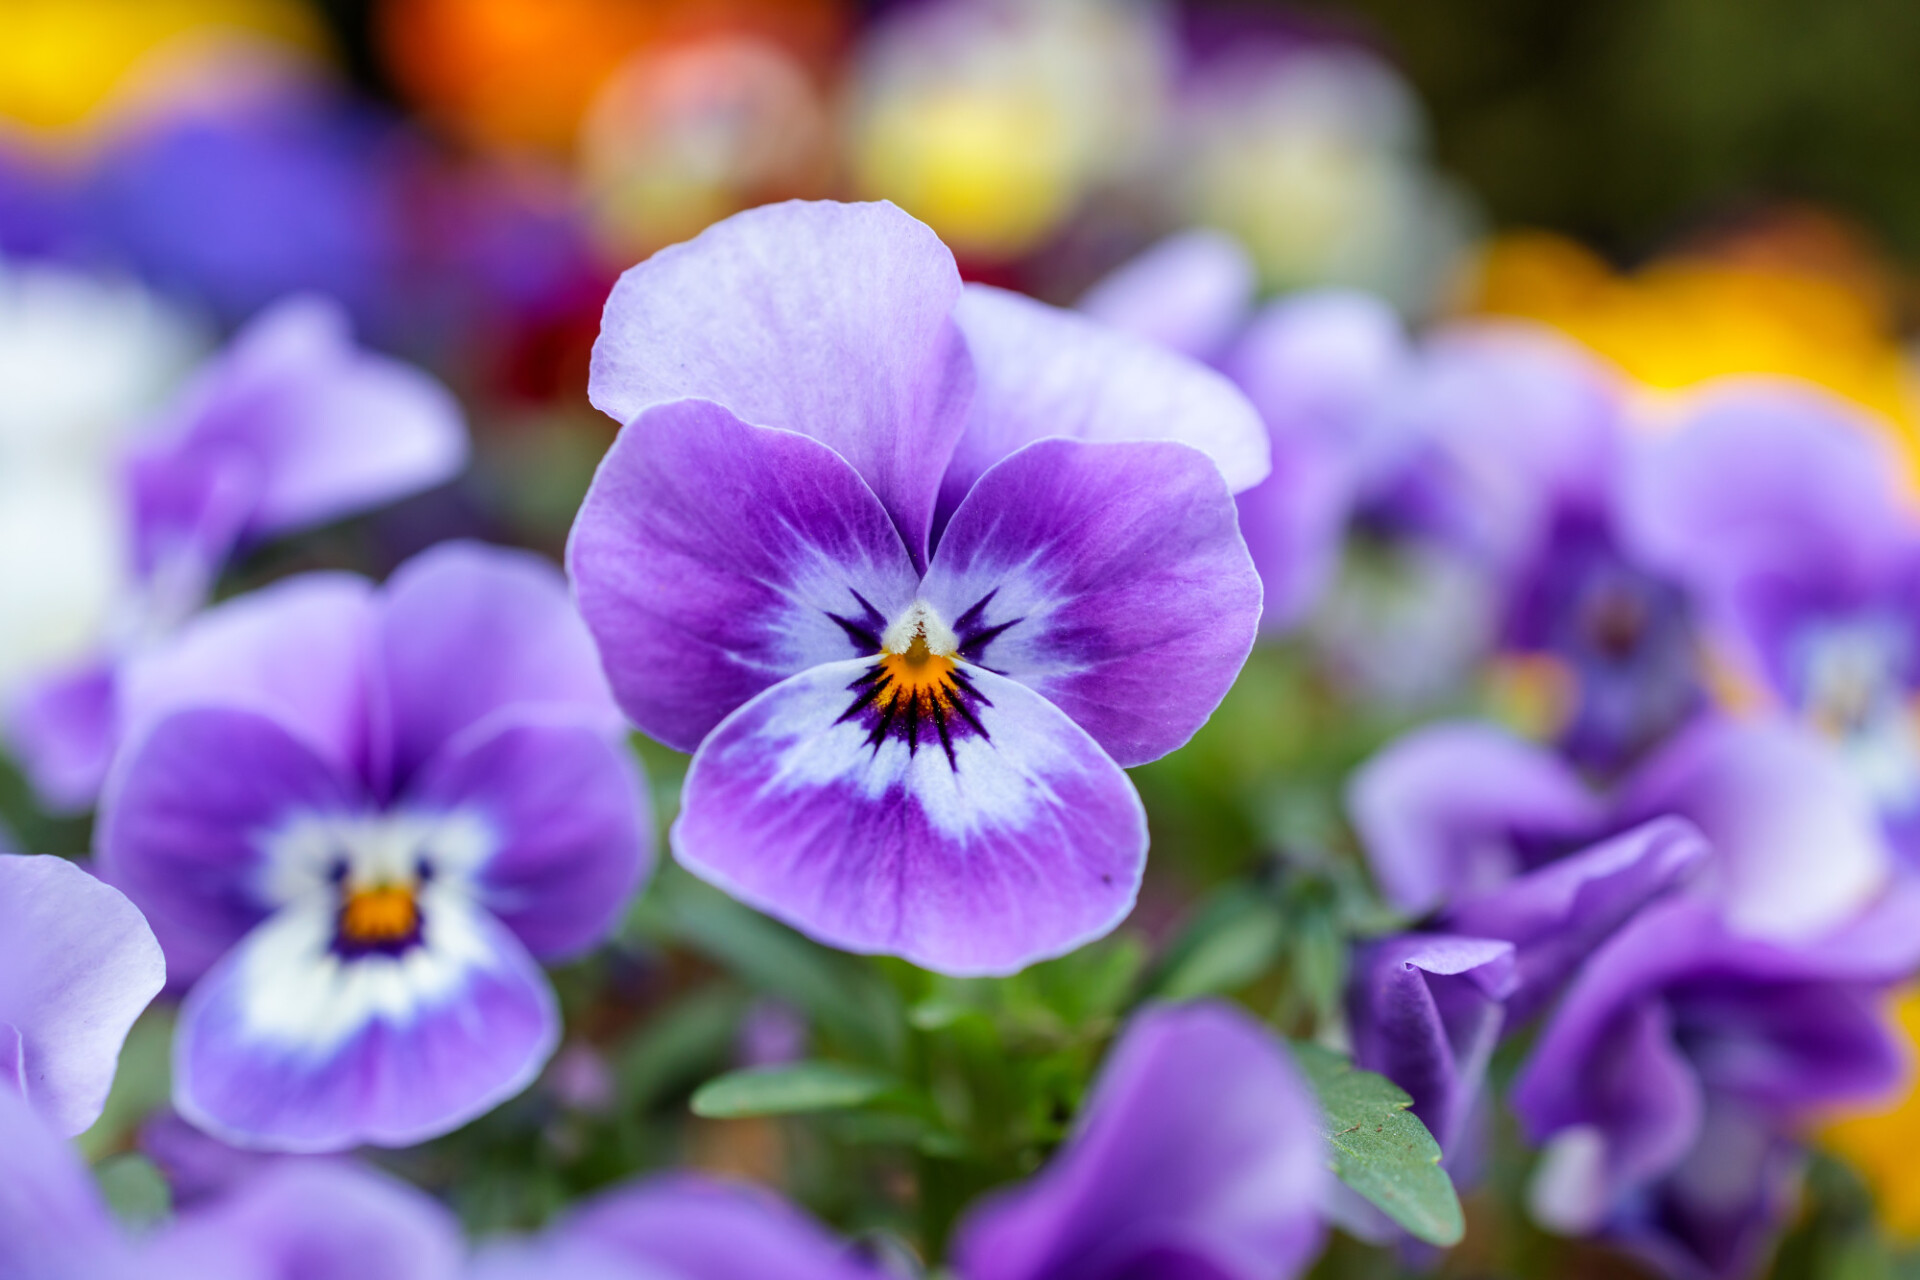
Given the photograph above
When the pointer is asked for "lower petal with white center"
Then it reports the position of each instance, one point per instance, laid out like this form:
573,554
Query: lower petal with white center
958,819
304,1039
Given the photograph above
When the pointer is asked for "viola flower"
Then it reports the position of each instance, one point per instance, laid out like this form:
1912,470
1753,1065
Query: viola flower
684,1226
291,427
319,1220
356,817
1669,1083
1197,1153
915,571
77,965
1777,507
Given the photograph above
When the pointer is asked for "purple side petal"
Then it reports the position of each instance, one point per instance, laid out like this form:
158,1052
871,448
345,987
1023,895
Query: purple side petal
1047,372
296,651
313,427
1189,293
1608,1065
1557,915
832,320
713,559
180,826
1448,811
53,1225
466,630
77,965
1799,847
1109,578
1025,842
1426,1013
1765,476
315,1220
569,809
1199,1143
1295,524
63,730
551,1256
285,1046
692,1228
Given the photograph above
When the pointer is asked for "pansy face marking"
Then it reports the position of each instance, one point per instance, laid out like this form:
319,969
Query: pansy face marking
919,685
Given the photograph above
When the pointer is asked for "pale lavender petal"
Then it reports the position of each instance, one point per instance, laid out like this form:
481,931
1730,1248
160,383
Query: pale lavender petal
53,1224
467,630
1426,1012
552,1256
1199,1146
833,320
286,1045
693,1228
1454,810
1766,476
713,559
1189,292
1047,372
975,842
1555,916
297,651
315,1220
77,965
1325,368
1799,847
62,730
181,824
308,425
1295,524
567,809
1109,578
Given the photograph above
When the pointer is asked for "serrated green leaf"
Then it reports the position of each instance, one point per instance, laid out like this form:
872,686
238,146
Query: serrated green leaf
135,1190
1381,1149
792,1089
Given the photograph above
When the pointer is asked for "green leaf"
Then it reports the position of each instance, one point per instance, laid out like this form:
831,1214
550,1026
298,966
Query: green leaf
844,998
789,1090
1381,1149
676,1048
1234,938
135,1190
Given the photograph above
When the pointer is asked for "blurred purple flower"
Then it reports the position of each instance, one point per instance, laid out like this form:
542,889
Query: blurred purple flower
1197,1154
53,1224
355,818
77,965
1668,1083
1775,505
859,512
679,1226
293,426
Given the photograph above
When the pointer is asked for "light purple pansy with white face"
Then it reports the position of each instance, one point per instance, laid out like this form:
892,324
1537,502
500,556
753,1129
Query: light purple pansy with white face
679,1227
77,965
1198,1154
357,817
1778,507
918,569
291,426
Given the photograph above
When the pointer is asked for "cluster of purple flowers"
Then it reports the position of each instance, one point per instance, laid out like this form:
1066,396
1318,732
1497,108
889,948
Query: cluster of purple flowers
916,570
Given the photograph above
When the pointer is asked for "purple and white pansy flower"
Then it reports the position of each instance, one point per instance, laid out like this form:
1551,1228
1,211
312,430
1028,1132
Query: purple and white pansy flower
291,426
77,965
918,568
357,818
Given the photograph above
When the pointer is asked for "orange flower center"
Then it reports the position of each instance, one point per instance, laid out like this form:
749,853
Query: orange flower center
382,914
918,676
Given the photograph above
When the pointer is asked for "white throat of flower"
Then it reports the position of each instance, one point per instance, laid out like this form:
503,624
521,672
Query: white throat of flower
920,623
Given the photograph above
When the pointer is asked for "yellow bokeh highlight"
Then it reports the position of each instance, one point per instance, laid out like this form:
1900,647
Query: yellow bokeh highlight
63,61
1883,1143
992,172
1687,319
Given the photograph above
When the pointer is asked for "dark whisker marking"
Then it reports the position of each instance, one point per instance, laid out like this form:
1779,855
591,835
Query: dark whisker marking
867,630
913,725
970,647
862,702
946,742
974,614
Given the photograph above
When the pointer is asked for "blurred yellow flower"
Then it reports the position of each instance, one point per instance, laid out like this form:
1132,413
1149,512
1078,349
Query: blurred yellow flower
1692,317
63,61
1880,1142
